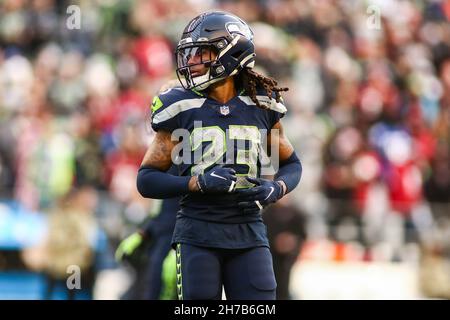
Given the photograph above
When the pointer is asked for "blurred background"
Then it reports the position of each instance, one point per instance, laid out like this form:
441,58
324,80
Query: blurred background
368,113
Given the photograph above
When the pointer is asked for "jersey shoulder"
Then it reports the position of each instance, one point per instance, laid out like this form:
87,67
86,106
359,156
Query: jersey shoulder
270,103
171,96
167,105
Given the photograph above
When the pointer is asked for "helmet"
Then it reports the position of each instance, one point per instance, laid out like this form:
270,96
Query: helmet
222,33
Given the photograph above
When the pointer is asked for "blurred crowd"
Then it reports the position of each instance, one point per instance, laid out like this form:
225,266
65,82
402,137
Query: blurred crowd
368,110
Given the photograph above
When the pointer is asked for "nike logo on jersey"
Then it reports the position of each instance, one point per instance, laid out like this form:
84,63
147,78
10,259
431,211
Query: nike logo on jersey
272,189
217,176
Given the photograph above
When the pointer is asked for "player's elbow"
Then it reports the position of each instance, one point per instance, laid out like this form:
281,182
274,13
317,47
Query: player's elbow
299,170
145,183
290,172
298,166
295,169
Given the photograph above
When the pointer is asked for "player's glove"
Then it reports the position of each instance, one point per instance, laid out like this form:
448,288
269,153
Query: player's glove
129,247
217,180
252,200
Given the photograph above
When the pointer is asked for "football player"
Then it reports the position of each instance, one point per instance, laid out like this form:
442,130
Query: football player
228,111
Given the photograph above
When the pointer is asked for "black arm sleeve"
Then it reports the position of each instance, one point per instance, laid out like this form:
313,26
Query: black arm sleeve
290,172
155,184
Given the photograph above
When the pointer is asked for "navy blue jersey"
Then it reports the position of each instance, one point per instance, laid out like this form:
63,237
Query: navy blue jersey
228,134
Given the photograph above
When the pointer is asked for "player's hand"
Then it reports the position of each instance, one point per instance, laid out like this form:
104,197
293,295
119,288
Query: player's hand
252,200
217,180
128,246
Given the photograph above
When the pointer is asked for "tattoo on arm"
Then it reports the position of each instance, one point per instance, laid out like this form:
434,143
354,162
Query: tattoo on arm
159,155
159,152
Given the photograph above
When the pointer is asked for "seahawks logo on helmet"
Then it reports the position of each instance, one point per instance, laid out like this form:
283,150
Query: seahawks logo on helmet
243,29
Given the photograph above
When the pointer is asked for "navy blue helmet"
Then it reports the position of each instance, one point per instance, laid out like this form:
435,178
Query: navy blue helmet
219,41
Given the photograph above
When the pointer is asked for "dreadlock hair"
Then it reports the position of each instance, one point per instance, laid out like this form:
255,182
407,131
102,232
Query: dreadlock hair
251,80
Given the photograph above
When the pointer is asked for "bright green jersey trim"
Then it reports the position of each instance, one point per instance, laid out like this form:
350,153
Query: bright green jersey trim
156,104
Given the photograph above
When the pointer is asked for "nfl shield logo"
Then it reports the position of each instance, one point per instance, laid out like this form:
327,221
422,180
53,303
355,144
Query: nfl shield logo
225,110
